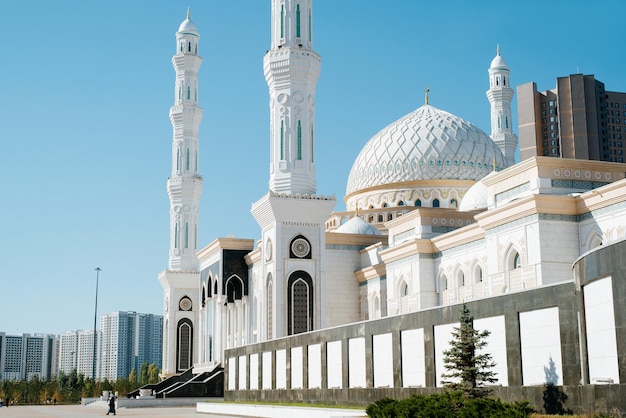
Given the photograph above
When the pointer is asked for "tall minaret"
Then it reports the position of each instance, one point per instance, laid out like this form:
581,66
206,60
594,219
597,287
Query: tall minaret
292,216
500,95
181,280
291,69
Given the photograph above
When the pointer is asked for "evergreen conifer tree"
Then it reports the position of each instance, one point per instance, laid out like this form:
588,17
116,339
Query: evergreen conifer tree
468,367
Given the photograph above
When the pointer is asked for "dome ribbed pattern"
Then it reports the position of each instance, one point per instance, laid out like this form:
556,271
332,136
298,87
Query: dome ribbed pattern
426,144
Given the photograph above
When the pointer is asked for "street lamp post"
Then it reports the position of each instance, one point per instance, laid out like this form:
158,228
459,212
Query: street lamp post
95,318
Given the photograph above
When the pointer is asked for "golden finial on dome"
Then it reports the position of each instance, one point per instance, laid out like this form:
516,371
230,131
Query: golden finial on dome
426,95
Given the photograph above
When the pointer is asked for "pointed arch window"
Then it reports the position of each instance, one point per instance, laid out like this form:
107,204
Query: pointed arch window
312,144
418,203
506,122
270,306
187,159
517,262
299,303
282,139
186,235
299,139
176,235
282,20
310,37
188,92
436,203
478,273
189,47
453,203
297,21
184,345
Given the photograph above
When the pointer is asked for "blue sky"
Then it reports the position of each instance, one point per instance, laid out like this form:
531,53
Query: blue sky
86,87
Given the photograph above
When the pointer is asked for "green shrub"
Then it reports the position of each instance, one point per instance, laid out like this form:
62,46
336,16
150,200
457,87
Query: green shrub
447,404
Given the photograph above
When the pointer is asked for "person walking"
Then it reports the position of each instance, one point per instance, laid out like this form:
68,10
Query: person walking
111,405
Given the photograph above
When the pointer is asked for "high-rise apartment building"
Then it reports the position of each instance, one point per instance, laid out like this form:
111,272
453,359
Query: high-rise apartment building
578,119
127,340
76,352
26,356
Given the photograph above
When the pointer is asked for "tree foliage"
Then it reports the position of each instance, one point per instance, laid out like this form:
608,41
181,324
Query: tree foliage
69,388
451,404
468,366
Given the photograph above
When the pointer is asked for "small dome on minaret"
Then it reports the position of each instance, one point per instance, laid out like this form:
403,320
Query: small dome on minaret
498,63
187,25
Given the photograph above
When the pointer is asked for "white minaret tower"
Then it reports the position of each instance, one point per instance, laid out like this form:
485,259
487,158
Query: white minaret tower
291,69
181,280
291,216
500,95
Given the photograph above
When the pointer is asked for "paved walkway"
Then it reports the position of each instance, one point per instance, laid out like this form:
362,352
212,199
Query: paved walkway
78,411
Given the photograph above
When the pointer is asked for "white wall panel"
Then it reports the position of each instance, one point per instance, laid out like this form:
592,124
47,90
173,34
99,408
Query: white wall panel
601,337
383,360
541,343
356,356
334,364
315,365
413,366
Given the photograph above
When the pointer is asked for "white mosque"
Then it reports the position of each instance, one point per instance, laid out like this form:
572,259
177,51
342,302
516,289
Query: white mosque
437,214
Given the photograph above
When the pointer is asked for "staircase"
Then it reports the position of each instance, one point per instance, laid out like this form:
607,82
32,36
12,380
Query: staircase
186,384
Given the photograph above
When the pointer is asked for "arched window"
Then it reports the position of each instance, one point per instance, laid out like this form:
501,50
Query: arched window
176,235
418,203
189,48
297,21
177,159
385,205
381,218
184,345
282,139
187,159
389,216
299,303
461,278
435,203
186,235
235,289
401,203
453,203
513,260
310,37
404,289
270,307
312,145
188,92
299,139
377,312
517,262
282,21
444,282
506,122
504,80
478,273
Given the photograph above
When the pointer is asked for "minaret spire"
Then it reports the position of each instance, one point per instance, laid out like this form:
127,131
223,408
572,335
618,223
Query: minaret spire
500,95
291,70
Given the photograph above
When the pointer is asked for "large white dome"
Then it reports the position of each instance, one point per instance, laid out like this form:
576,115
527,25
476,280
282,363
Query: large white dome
426,144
